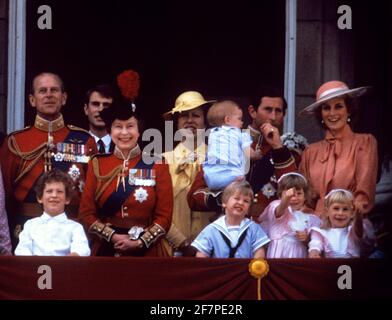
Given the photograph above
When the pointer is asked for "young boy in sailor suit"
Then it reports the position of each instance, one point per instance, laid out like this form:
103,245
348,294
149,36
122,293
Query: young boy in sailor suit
233,235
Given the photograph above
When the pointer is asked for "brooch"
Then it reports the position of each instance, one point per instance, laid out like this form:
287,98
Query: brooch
140,194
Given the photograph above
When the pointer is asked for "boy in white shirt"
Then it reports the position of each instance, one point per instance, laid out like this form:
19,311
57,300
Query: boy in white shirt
53,234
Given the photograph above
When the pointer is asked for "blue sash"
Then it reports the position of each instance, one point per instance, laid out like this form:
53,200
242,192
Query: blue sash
115,201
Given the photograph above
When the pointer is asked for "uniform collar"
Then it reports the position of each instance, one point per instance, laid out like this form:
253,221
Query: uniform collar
49,126
132,154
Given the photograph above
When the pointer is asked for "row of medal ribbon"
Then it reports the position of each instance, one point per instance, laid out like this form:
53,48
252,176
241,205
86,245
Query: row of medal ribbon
142,177
70,152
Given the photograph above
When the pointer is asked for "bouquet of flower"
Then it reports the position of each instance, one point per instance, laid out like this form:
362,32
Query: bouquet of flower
294,141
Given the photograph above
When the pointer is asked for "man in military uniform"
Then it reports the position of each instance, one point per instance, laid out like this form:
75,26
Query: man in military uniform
48,144
267,111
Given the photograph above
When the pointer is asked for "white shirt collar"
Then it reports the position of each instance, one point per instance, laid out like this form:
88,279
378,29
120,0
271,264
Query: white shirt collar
227,128
60,217
106,139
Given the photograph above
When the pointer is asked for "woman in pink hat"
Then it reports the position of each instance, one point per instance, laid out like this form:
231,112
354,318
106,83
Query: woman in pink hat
344,159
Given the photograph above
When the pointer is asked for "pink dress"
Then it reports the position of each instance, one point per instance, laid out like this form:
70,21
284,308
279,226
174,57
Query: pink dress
281,231
342,242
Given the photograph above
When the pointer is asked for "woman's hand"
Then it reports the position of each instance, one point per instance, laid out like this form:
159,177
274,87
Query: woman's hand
117,237
124,245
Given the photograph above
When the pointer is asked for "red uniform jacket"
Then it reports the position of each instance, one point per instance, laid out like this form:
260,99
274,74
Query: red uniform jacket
20,196
153,206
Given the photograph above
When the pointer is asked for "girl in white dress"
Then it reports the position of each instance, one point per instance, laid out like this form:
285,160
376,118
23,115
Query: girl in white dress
343,232
287,220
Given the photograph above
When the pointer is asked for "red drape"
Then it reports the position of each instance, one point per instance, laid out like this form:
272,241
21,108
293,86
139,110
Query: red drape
189,278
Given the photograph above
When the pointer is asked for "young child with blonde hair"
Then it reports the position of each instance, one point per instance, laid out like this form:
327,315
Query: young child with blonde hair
229,149
343,233
233,235
288,220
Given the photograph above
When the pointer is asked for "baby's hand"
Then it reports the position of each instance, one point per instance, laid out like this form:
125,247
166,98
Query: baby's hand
72,254
302,235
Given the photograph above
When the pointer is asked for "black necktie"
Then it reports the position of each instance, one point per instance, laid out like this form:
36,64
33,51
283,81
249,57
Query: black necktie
101,146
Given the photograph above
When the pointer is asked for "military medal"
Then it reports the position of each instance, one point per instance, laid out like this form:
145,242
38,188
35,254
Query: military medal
132,178
58,157
144,177
140,194
74,172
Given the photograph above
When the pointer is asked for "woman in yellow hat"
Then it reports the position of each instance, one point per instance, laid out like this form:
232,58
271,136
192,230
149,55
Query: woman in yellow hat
343,159
189,115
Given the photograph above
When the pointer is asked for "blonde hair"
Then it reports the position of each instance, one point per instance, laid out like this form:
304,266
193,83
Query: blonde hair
335,195
242,187
338,195
219,111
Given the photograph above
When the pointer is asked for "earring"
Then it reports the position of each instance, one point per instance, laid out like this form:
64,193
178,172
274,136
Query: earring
348,120
322,121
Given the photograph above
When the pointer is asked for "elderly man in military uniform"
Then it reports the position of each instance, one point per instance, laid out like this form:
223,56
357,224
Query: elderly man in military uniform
49,143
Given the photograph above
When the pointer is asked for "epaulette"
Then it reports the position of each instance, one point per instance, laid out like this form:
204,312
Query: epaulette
74,128
18,131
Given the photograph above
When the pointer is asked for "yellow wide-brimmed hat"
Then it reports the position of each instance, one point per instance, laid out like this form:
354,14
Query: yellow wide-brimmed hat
331,90
186,101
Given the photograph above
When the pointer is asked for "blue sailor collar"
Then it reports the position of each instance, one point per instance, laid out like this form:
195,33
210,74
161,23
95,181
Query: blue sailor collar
220,224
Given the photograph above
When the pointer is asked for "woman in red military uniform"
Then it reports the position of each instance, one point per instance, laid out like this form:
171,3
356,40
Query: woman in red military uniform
127,203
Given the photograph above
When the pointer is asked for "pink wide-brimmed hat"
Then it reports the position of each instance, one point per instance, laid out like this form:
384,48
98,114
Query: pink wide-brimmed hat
333,89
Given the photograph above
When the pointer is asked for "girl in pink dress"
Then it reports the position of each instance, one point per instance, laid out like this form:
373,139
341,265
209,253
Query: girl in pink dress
286,221
344,234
